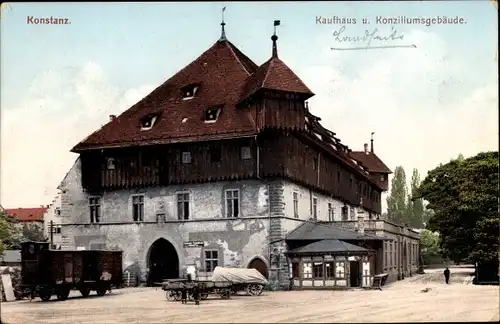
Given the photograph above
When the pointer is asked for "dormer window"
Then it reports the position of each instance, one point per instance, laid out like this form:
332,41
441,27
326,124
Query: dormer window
148,121
189,91
212,114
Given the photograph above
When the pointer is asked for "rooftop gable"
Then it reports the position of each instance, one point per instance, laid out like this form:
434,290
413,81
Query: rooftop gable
371,161
275,75
219,73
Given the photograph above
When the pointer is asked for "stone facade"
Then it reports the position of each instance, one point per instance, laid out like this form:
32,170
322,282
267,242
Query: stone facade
53,213
268,211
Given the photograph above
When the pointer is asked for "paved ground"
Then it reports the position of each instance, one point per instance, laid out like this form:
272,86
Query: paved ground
400,302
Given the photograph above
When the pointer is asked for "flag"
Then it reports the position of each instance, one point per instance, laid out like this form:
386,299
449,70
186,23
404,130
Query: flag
276,23
224,9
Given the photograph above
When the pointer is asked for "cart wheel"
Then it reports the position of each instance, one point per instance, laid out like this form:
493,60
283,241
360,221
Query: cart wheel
85,291
177,296
45,294
225,294
255,290
170,295
204,295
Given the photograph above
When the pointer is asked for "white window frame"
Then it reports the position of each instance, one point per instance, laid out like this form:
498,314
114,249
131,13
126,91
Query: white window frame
245,152
93,218
315,208
56,228
344,216
331,212
110,163
307,270
177,201
186,157
340,270
232,199
211,260
140,217
295,197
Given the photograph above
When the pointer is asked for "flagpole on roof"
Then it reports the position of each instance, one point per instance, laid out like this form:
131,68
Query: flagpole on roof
223,32
274,38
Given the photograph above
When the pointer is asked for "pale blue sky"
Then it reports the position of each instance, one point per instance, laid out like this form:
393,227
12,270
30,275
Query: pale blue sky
136,46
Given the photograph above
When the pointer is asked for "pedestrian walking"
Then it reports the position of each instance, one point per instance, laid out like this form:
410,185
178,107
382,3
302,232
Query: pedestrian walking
446,275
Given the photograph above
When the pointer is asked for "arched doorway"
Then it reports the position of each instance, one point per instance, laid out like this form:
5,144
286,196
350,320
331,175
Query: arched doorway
259,265
163,262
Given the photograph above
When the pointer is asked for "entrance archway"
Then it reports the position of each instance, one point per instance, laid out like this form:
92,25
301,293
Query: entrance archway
163,262
259,265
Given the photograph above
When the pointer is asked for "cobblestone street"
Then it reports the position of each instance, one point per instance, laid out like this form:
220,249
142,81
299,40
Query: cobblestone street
400,302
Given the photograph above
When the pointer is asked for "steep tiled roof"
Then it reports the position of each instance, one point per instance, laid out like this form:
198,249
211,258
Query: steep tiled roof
27,214
275,75
329,246
221,72
371,161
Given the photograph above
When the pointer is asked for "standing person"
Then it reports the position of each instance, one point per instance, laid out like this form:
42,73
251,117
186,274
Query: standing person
196,294
184,295
446,275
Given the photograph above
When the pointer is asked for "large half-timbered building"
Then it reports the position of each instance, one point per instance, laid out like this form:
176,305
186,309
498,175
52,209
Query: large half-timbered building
224,164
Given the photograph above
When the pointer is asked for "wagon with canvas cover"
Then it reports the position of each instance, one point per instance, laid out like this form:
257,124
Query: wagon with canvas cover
174,288
248,280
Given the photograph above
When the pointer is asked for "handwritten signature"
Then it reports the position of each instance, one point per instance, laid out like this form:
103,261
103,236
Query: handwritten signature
366,40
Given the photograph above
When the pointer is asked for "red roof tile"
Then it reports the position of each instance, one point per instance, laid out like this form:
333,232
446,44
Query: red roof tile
371,161
221,72
275,75
27,214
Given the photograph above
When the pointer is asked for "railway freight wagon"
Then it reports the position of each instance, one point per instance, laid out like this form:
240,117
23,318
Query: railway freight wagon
48,272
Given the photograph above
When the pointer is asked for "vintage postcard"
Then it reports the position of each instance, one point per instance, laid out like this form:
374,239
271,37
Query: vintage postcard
257,161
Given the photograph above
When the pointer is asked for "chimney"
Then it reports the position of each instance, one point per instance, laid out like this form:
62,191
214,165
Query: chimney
112,117
366,148
371,149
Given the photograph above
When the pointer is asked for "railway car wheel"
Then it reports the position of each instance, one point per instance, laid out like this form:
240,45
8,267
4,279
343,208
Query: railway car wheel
101,291
45,294
85,291
62,293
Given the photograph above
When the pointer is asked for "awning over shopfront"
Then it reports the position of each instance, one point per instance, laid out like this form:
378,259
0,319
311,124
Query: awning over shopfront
329,246
310,231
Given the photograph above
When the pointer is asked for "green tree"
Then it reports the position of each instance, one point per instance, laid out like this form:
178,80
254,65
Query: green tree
428,213
33,232
9,234
430,246
415,205
396,202
463,195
